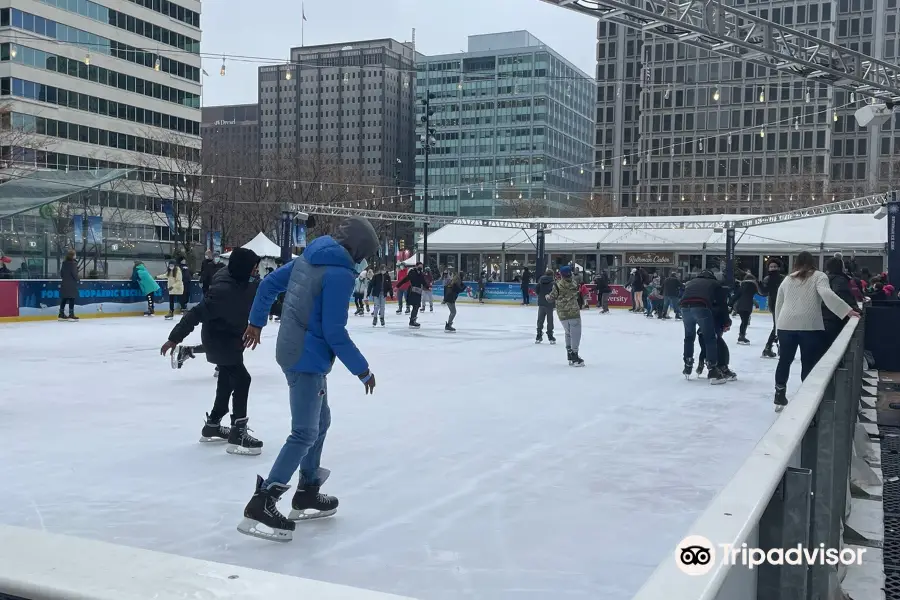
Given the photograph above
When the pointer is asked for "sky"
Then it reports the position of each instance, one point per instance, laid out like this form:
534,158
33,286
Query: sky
441,28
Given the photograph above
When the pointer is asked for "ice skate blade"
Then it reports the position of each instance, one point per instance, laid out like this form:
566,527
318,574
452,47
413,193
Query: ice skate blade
252,528
552,342
743,343
299,515
212,440
718,381
779,408
241,451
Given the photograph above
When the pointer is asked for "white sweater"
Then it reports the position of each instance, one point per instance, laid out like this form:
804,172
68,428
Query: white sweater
799,303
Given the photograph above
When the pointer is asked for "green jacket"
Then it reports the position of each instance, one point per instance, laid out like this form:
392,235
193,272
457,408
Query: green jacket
565,294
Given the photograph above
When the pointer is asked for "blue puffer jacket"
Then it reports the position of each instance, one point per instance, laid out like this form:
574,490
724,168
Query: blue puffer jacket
317,287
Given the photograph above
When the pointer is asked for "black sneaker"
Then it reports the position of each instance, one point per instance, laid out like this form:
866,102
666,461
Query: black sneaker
240,441
263,510
767,353
308,504
214,431
688,369
780,398
716,376
551,339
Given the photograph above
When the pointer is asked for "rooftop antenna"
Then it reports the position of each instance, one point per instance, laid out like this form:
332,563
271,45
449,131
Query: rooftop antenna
414,41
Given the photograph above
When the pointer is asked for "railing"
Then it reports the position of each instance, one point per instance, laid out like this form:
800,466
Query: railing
792,490
40,566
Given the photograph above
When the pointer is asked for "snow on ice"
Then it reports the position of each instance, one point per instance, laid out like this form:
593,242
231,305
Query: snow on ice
483,467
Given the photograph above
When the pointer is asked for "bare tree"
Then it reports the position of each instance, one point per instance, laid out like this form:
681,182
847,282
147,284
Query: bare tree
519,204
599,205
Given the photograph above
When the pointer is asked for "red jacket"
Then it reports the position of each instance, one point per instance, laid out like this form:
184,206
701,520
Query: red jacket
428,281
401,275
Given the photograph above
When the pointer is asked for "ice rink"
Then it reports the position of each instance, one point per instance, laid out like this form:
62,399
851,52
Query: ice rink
483,467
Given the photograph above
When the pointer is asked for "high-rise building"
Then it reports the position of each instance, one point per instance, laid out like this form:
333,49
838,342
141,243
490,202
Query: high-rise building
230,140
513,130
82,89
346,107
686,132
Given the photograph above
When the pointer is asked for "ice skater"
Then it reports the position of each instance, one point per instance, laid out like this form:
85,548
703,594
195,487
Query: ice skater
452,290
743,305
402,291
769,286
565,295
313,332
705,303
141,277
223,314
545,307
68,287
415,279
359,292
427,292
379,287
174,287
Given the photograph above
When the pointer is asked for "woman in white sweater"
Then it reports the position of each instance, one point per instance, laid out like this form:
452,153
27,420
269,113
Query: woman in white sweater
798,317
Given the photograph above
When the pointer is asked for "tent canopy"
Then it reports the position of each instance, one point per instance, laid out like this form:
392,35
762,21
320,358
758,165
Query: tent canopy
263,246
28,190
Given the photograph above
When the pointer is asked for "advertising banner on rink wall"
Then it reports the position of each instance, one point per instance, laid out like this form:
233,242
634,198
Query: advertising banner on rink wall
35,298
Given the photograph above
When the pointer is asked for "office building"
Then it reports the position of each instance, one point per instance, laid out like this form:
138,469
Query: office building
513,130
689,132
82,91
230,140
341,112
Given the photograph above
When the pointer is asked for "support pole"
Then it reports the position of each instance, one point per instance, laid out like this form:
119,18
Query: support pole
729,256
893,243
541,258
287,222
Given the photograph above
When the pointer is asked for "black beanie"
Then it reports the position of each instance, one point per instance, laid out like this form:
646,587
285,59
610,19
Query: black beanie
241,263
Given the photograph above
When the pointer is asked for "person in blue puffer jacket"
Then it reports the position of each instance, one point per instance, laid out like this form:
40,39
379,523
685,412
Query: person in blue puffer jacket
313,332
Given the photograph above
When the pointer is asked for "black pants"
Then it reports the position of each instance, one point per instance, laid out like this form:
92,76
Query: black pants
525,298
200,349
745,321
810,344
234,383
185,298
773,336
150,304
62,304
721,349
359,301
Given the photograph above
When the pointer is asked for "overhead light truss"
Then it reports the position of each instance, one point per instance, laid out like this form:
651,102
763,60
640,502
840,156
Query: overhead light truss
727,31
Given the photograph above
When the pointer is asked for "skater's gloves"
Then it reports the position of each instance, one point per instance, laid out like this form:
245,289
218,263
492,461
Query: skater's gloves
368,380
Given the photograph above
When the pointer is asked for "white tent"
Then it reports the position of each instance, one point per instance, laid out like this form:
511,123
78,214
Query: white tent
263,246
412,260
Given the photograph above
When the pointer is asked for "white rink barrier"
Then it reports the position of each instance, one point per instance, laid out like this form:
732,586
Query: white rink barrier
792,491
40,566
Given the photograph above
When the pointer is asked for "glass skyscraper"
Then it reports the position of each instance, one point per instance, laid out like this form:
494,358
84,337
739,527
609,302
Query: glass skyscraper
513,128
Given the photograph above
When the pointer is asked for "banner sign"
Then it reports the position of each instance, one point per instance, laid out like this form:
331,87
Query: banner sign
169,210
299,240
650,258
217,241
78,229
95,230
893,244
38,297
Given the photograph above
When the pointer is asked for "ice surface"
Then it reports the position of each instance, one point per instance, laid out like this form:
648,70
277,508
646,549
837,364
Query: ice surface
483,466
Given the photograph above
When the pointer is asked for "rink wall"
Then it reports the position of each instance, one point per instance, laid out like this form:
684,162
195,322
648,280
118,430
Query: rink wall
38,299
36,565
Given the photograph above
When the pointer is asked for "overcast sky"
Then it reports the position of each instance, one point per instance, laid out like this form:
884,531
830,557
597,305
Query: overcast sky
441,27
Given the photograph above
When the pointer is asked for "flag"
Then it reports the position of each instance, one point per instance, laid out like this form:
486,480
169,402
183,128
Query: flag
95,230
78,229
303,11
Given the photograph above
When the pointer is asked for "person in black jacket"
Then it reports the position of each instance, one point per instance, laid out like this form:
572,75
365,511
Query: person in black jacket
224,313
380,287
211,264
186,278
68,287
704,304
452,290
416,280
671,287
545,307
769,286
840,285
743,305
526,283
601,282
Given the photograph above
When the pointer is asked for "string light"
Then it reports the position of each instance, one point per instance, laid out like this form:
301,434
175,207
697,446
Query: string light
808,97
13,50
212,180
624,160
762,95
762,132
796,123
87,59
668,92
834,114
320,186
716,94
373,190
700,145
222,70
156,65
267,183
770,197
287,74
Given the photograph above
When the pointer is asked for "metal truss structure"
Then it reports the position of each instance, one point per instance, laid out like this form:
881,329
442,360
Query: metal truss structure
724,30
619,223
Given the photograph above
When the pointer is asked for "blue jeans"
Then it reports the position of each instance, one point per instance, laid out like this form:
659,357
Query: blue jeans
310,419
694,317
811,345
671,301
401,296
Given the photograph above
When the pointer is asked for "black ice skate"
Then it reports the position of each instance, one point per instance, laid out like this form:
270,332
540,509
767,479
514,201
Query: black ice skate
575,360
374,321
309,504
729,374
700,368
539,339
214,431
767,353
170,316
182,354
240,442
688,368
400,310
780,398
430,308
382,321
716,376
62,319
743,341
262,510
449,328
551,339
414,324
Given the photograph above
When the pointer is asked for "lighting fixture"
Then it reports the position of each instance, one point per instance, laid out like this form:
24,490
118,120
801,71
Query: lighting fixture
762,95
808,97
834,117
13,50
87,59
287,75
222,70
762,132
716,94
373,190
668,92
700,145
624,160
156,65
796,123
267,183
320,186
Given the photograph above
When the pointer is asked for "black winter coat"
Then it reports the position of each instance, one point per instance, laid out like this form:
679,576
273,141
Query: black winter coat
544,287
601,282
526,279
416,279
452,292
747,290
68,287
224,313
840,285
207,271
769,286
380,285
671,286
709,293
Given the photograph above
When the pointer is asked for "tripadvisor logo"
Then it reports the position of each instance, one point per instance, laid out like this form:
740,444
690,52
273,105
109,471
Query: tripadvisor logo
696,555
